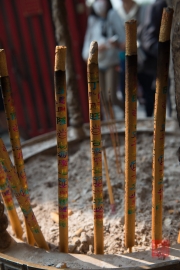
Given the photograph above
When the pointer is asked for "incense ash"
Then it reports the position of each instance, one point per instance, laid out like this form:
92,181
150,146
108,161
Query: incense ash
42,180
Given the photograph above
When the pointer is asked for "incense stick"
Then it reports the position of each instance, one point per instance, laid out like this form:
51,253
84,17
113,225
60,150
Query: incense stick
96,147
159,124
130,132
117,146
112,134
111,197
9,204
14,132
62,146
20,192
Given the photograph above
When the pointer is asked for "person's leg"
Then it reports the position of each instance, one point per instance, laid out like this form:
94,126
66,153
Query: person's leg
122,84
148,86
169,105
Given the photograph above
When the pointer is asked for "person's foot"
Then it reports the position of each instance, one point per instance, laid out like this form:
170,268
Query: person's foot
76,133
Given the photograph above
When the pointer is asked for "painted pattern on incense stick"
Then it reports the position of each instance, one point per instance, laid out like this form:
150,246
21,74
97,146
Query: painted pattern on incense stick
21,197
130,132
9,204
159,125
13,131
62,146
96,147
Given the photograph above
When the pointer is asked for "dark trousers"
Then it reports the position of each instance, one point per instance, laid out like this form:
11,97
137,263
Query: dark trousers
147,82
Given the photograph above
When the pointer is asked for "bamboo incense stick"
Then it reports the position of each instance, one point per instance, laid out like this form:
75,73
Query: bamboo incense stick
9,204
62,145
14,132
130,132
21,197
118,159
96,146
112,134
111,197
104,106
159,124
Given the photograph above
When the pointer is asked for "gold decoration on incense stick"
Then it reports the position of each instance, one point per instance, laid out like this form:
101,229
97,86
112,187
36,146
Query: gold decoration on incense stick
23,200
130,132
9,204
14,132
96,147
62,145
159,125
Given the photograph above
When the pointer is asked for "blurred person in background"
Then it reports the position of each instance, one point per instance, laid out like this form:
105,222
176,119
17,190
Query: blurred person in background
147,65
105,27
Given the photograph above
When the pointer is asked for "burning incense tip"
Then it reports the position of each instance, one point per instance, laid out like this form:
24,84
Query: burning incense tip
166,23
3,65
93,52
60,58
131,37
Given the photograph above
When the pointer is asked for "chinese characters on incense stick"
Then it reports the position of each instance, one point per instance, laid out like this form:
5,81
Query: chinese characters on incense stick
62,146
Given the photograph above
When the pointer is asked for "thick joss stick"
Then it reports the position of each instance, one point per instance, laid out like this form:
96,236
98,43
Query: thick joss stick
14,132
159,124
62,146
130,132
96,146
9,204
117,146
111,197
21,197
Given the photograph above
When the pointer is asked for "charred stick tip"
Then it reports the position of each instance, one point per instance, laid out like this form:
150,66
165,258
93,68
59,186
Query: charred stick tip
131,37
60,58
3,64
93,53
166,23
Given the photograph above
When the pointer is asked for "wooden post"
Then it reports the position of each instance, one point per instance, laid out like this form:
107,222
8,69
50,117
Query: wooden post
96,146
9,204
159,124
130,132
14,132
62,146
20,192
